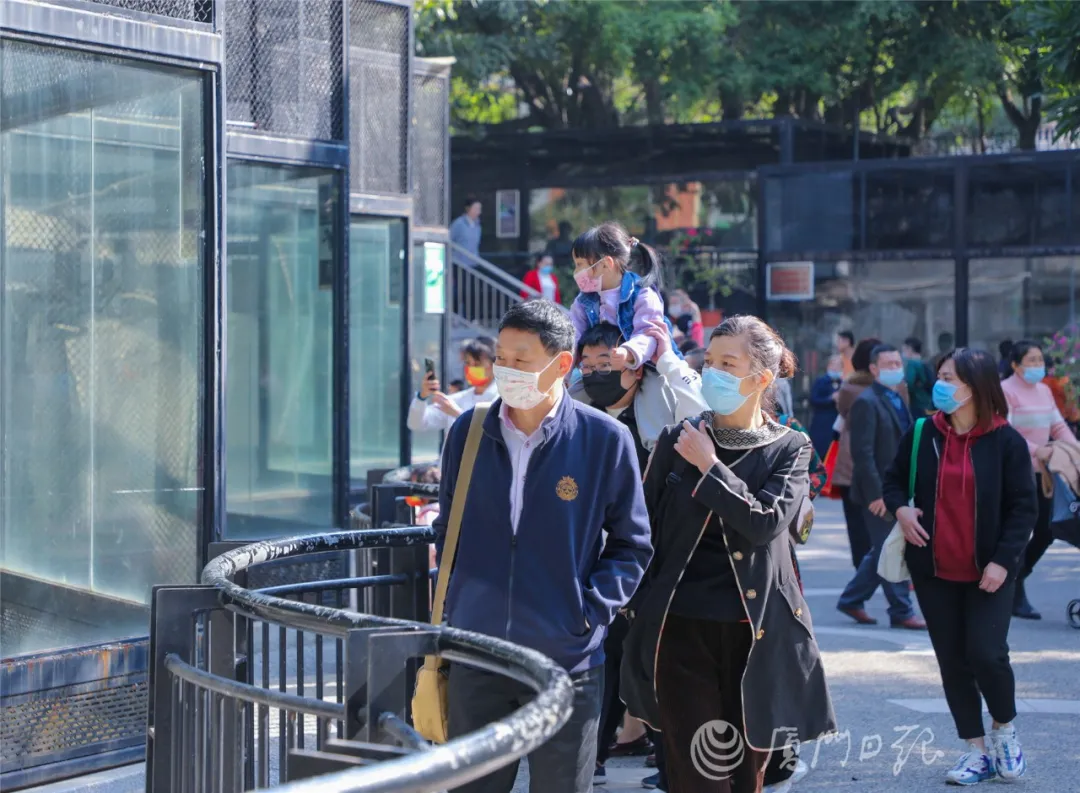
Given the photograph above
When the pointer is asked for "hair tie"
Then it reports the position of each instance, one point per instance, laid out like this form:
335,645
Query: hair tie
633,242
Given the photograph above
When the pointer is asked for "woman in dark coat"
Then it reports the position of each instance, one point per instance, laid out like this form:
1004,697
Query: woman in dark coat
719,620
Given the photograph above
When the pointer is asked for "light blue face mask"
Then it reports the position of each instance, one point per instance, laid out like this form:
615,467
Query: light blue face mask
721,391
891,378
1034,374
547,269
944,396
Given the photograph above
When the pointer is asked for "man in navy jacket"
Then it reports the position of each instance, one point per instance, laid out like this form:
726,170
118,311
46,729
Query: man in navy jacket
533,564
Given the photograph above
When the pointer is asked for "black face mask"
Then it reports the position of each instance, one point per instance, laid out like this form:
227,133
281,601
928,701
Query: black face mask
604,389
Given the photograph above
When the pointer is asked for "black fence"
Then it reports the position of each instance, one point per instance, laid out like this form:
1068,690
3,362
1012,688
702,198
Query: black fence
259,686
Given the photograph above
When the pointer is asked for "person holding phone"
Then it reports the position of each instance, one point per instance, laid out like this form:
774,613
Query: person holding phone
433,410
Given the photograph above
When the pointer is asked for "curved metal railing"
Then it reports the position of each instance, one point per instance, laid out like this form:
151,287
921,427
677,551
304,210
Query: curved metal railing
216,732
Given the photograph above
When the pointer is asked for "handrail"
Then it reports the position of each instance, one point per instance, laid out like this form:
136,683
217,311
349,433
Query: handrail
493,275
487,268
256,695
441,767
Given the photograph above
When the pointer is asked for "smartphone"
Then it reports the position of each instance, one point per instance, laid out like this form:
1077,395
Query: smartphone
429,368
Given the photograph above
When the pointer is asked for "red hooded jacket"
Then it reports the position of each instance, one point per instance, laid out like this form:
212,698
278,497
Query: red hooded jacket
954,519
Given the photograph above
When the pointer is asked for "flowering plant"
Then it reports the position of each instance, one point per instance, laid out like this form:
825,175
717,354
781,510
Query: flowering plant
1064,348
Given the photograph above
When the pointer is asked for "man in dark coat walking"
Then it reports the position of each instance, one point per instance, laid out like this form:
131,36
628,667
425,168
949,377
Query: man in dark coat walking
878,420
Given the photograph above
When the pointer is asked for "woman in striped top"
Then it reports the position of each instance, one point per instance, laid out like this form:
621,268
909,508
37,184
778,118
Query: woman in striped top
1034,413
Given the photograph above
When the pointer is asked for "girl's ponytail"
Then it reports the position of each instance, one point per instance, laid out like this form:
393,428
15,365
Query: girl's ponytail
648,264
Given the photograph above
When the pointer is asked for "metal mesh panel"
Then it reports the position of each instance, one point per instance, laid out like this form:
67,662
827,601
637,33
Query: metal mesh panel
379,97
193,10
72,721
811,212
1017,205
283,66
908,209
431,101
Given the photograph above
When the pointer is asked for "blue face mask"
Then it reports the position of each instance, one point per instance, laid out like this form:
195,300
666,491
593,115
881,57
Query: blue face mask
1034,374
721,391
944,396
836,375
547,269
891,378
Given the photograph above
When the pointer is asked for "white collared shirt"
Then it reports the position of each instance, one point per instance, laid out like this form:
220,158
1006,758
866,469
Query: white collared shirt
521,447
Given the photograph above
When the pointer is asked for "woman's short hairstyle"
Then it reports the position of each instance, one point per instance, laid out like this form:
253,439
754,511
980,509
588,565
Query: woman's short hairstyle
978,370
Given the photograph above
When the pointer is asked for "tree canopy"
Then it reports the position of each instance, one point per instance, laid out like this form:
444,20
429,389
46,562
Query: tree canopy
908,67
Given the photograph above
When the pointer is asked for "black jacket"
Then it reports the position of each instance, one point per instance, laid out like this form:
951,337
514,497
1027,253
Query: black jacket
756,500
875,430
1005,501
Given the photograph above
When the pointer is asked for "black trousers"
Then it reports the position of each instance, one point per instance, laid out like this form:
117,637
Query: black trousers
858,535
1042,537
565,764
613,709
969,629
699,680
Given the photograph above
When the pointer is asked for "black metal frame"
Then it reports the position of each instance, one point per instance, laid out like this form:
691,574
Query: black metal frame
960,250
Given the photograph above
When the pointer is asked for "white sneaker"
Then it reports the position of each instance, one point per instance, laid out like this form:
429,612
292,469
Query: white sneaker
972,768
1009,759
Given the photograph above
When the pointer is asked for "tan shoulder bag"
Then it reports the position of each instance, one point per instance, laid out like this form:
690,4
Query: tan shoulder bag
429,708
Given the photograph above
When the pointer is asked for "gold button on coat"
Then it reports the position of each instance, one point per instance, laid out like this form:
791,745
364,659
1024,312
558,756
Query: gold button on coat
760,633
798,612
751,594
737,556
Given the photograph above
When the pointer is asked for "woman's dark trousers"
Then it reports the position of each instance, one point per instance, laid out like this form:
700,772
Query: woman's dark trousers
969,629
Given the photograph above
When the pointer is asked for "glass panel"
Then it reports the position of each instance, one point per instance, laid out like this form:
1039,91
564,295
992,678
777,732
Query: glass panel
427,339
1022,299
101,342
890,300
815,211
376,282
281,265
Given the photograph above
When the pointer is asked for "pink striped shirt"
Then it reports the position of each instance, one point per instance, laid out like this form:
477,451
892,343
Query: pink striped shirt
1034,413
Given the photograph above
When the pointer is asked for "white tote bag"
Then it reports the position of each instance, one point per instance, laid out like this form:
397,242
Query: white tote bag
891,565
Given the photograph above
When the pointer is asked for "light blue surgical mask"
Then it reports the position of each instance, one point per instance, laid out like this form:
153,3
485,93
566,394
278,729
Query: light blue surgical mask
721,391
547,269
1034,374
834,375
891,378
944,396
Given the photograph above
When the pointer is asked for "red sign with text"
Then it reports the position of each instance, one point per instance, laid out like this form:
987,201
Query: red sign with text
790,281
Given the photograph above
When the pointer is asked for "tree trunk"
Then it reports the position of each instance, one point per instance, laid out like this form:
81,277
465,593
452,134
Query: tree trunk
732,104
654,102
1027,126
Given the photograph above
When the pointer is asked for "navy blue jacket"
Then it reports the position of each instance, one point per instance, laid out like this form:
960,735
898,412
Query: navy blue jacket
556,585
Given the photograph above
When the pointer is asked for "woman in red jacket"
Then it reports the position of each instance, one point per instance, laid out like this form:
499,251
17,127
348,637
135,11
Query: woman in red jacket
542,278
971,518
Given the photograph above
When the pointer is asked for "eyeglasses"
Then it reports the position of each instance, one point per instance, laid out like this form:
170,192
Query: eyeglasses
602,368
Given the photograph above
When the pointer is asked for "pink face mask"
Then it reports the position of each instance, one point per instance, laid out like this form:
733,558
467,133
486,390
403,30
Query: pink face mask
588,280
